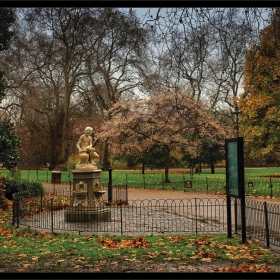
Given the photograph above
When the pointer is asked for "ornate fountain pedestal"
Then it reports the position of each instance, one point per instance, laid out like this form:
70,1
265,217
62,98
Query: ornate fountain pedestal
87,203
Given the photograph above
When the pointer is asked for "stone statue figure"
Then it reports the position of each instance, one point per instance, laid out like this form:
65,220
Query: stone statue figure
86,152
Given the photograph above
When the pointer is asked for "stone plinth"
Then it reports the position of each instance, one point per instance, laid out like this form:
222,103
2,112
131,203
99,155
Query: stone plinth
87,202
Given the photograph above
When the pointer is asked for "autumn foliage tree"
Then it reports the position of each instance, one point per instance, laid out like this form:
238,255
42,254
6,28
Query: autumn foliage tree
169,120
260,101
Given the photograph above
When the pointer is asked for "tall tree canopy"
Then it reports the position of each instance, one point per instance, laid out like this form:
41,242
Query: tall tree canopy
260,102
170,120
66,68
204,48
7,19
69,65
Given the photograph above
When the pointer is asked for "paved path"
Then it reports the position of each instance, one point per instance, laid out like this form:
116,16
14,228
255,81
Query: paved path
141,194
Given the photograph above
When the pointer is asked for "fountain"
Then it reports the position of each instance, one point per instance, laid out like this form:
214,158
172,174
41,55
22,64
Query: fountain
87,204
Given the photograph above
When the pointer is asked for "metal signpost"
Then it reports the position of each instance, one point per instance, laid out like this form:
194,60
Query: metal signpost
235,180
235,186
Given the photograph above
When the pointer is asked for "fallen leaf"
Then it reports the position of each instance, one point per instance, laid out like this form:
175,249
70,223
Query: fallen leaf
77,266
206,260
171,259
163,253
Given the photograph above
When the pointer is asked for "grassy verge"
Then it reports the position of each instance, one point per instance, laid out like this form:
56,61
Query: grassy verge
27,250
262,182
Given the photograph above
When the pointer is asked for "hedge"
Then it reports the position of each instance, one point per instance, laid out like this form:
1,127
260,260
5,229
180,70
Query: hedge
14,185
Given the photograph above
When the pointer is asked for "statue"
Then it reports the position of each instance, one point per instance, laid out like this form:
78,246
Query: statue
86,152
87,204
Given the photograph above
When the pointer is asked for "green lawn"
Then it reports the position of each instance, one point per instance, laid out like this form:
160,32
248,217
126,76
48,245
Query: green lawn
261,180
27,250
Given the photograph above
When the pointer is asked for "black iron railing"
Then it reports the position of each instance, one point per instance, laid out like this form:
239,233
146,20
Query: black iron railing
196,215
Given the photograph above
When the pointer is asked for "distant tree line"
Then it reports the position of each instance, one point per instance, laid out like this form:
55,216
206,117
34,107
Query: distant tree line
63,69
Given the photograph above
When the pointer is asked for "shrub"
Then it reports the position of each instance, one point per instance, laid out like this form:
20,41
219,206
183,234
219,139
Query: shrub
14,185
15,173
119,166
72,161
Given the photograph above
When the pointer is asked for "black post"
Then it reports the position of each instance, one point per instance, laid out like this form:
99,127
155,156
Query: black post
110,186
229,223
235,215
52,214
121,220
15,209
53,187
70,183
242,188
41,200
18,207
196,230
270,185
236,112
266,224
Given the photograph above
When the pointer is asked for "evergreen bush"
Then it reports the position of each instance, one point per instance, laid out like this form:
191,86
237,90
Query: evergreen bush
14,185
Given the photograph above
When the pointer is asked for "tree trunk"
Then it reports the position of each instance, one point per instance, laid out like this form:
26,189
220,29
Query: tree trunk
65,143
167,161
212,169
54,158
106,164
143,168
55,151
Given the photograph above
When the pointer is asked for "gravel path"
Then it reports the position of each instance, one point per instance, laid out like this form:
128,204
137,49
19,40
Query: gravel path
131,220
148,211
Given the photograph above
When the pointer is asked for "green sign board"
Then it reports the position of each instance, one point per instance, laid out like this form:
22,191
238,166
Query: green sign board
234,167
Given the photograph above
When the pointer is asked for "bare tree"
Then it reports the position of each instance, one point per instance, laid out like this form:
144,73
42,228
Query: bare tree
67,67
114,66
205,48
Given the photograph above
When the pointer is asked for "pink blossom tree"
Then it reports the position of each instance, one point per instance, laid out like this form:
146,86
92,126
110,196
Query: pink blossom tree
170,120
